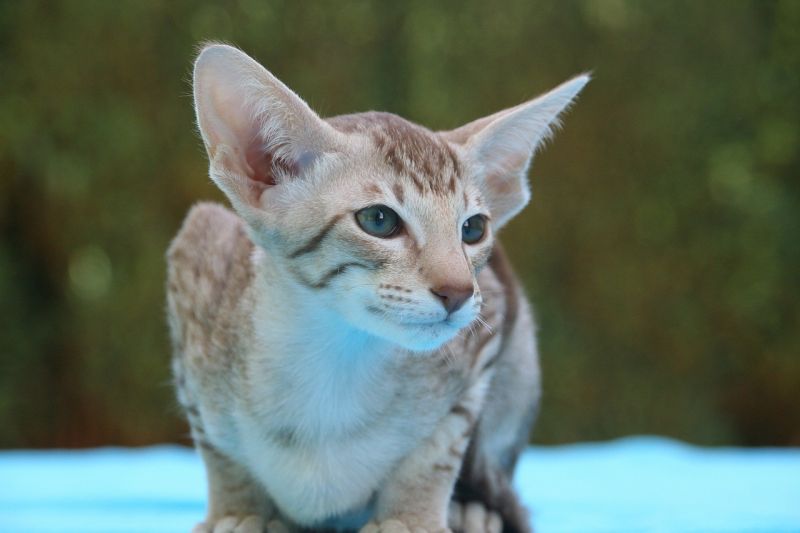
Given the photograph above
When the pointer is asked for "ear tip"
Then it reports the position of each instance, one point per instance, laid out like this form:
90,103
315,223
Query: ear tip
211,52
577,83
567,91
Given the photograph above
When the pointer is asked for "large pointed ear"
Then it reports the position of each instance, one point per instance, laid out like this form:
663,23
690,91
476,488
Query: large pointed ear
502,146
257,132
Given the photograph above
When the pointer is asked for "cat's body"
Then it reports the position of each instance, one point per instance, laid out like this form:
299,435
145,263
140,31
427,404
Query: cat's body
318,418
334,374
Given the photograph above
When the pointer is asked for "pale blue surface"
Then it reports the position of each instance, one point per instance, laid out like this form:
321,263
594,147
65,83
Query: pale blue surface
635,484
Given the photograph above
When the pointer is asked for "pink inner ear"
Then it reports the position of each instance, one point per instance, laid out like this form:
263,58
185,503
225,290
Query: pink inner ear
264,166
261,163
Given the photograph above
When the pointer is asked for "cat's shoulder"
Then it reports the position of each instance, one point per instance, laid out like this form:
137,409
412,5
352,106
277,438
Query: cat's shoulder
212,241
210,261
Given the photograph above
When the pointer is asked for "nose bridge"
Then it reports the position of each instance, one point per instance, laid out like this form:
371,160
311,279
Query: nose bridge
448,274
444,264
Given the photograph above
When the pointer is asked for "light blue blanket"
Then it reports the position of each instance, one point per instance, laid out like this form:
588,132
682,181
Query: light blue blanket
633,484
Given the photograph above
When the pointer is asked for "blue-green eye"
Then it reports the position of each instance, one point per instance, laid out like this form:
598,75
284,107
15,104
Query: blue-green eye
378,220
473,229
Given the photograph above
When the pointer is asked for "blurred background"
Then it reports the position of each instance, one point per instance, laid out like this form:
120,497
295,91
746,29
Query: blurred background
661,249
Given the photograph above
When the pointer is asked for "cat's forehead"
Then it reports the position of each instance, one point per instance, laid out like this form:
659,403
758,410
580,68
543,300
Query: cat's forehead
415,154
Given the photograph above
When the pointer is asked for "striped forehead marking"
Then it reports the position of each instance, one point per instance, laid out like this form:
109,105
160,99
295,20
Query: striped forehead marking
408,149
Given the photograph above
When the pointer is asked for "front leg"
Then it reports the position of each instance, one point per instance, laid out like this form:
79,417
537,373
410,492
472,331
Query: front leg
417,495
236,503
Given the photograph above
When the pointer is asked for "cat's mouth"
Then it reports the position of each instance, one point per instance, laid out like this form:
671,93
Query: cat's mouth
451,320
420,333
429,325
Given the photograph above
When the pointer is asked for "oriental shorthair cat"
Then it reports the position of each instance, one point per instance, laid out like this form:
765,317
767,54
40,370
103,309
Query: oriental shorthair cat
351,348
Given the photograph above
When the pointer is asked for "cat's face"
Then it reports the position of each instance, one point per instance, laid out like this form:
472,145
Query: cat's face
381,222
390,231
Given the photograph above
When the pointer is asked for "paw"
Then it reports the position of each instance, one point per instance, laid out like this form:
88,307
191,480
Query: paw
473,517
396,526
244,524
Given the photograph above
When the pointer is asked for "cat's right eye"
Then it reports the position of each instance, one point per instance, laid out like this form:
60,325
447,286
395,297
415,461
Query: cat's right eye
379,220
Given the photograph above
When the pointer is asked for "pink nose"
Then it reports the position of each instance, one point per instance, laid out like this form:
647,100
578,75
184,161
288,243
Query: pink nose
453,297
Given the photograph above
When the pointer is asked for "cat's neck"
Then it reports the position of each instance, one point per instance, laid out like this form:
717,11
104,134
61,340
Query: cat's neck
325,371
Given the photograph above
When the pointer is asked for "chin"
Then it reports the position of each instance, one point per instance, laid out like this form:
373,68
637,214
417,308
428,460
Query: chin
415,337
419,338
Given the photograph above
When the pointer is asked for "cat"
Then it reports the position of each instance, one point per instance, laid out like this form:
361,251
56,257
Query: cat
351,348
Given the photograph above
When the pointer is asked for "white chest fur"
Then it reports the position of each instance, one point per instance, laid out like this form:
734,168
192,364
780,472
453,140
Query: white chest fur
312,483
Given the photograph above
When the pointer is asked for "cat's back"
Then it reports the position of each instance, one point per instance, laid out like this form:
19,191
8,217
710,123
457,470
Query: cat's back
210,274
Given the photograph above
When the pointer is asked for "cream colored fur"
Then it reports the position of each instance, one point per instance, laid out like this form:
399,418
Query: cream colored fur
325,383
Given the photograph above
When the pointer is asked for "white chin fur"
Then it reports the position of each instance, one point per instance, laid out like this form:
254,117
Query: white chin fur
415,337
418,338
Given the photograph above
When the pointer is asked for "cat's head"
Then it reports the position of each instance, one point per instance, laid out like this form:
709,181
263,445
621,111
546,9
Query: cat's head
381,221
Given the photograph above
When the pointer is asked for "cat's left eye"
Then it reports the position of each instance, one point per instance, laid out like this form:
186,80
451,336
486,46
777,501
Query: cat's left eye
379,220
473,229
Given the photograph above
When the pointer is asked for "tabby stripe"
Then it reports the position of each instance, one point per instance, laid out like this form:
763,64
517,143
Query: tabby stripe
454,160
455,452
443,467
417,183
326,278
208,447
317,239
399,193
460,410
501,267
284,437
341,269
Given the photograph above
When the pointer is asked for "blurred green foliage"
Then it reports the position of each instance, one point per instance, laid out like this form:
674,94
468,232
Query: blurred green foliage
662,248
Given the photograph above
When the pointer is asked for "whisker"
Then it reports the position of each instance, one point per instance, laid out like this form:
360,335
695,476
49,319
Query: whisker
484,323
492,291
